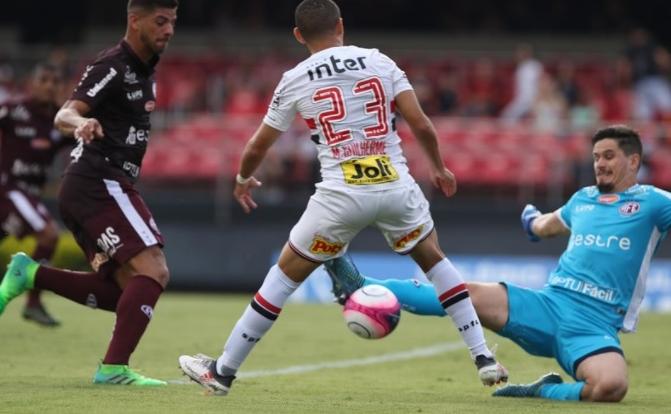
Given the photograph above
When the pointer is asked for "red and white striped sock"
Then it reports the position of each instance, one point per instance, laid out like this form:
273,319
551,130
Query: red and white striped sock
257,319
453,296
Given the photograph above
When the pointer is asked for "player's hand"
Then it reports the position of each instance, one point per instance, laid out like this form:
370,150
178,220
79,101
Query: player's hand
529,214
243,194
89,130
445,181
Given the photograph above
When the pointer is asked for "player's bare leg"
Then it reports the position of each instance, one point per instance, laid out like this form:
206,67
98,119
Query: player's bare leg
281,281
490,301
454,296
605,377
34,310
142,280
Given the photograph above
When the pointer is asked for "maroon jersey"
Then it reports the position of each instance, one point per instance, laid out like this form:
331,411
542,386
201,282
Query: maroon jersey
28,144
120,90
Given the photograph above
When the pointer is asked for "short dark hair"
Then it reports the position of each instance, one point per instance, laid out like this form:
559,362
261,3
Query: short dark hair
627,138
152,4
315,18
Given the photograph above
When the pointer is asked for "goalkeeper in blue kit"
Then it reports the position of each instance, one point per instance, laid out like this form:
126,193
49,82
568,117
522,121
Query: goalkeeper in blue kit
595,291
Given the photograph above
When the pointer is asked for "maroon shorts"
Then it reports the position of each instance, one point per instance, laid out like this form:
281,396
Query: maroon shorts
21,213
108,218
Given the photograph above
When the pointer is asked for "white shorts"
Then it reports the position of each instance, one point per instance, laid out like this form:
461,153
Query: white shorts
334,217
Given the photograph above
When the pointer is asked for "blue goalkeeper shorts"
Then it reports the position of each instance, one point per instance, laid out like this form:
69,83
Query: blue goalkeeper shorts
556,324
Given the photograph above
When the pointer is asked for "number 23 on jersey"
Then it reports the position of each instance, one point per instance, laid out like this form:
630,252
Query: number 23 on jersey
375,108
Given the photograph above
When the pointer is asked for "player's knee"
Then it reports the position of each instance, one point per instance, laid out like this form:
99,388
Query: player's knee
161,274
490,303
609,390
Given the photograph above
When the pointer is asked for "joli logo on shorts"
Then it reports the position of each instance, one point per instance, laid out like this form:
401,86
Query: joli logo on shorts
369,170
321,246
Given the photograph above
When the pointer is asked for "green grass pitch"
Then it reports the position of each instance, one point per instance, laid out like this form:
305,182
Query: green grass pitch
50,370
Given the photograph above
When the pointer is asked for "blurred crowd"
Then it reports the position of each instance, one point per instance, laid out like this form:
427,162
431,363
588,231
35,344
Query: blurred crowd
557,96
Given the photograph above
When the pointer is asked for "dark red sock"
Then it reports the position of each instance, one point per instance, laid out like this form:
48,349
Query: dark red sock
90,289
42,253
33,298
133,313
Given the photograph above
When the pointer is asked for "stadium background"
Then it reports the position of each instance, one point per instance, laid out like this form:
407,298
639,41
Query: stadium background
226,57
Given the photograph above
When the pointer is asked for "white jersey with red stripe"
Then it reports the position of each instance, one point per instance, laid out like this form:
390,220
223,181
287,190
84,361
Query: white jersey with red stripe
346,95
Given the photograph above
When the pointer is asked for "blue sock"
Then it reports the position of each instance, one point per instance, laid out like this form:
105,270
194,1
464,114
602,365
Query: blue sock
415,297
565,391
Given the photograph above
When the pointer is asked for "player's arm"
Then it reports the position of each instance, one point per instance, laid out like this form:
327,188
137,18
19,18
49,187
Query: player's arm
540,226
71,120
255,151
423,129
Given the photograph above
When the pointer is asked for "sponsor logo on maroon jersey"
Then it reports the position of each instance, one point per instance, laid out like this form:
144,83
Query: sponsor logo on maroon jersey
136,135
40,143
100,85
109,241
20,167
130,77
134,95
25,131
20,113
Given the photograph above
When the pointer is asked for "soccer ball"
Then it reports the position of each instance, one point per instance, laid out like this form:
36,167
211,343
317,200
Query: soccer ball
372,312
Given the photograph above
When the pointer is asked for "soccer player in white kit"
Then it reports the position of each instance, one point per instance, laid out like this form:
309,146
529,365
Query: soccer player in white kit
347,96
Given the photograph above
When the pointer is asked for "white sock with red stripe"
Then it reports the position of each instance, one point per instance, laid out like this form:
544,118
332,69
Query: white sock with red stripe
256,320
453,296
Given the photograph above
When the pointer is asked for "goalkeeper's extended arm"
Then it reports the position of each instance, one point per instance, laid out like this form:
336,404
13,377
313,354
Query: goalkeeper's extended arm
538,226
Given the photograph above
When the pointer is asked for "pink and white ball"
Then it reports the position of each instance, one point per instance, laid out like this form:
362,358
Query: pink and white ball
372,312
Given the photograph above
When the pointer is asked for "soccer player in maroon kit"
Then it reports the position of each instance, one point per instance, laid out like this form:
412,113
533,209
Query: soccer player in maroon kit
28,144
108,113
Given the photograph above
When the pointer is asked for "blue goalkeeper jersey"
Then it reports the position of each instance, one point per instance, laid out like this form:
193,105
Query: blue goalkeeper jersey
613,238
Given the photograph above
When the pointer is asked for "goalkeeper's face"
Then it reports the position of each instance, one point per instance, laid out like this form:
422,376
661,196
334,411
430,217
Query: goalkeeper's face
615,171
157,28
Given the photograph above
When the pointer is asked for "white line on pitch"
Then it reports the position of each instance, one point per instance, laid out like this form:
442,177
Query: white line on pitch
346,363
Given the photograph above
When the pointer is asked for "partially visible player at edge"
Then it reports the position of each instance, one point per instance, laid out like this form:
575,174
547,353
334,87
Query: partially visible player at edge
29,143
347,96
595,291
109,114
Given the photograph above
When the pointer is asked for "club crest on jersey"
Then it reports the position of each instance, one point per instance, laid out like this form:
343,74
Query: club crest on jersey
630,208
608,198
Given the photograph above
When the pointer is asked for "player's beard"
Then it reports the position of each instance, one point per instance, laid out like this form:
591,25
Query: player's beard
152,45
605,188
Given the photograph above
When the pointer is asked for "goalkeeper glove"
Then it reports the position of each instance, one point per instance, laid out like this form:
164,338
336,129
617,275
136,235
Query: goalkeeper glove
529,214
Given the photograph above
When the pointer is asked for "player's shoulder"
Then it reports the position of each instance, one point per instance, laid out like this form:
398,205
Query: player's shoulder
658,193
113,57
